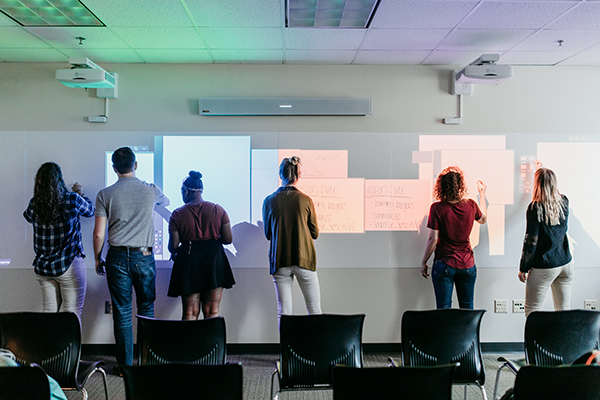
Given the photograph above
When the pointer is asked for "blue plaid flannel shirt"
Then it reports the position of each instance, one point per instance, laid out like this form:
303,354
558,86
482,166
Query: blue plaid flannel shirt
56,246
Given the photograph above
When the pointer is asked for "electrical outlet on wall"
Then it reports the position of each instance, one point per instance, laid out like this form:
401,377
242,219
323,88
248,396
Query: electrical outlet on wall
590,304
518,306
500,306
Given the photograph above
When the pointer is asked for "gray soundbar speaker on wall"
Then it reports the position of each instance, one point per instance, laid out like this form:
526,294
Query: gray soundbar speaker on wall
244,106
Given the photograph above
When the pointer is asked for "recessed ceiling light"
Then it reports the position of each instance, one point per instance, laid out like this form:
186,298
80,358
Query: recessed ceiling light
49,13
330,13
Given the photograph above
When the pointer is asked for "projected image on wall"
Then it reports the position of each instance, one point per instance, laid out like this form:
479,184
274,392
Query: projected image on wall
574,164
482,158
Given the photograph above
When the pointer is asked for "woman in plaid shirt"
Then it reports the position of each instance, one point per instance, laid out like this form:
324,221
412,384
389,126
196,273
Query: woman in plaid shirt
54,213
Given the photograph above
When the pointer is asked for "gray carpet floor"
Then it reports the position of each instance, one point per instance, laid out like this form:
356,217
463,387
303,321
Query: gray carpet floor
257,378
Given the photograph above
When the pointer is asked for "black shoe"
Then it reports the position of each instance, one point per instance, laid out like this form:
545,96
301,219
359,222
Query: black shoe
116,370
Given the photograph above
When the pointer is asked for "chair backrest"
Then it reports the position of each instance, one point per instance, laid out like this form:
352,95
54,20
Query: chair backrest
311,345
581,382
411,383
560,337
183,381
51,340
24,383
167,341
445,336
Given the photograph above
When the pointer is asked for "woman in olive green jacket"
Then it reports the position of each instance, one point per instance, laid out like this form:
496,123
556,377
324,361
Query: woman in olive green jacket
290,223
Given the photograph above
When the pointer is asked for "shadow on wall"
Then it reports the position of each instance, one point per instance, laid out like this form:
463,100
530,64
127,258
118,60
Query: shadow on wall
583,246
251,245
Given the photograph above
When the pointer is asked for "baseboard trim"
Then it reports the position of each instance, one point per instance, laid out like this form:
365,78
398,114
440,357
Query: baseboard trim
273,348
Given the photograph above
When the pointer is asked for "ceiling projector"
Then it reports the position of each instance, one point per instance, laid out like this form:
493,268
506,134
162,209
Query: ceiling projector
484,70
85,74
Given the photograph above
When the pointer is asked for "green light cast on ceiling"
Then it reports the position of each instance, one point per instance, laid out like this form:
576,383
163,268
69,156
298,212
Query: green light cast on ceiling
49,13
330,13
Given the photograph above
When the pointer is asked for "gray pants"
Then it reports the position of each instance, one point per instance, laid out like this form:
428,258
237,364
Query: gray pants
309,284
539,280
67,290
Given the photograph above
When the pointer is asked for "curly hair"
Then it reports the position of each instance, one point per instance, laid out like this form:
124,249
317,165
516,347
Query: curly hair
450,185
48,194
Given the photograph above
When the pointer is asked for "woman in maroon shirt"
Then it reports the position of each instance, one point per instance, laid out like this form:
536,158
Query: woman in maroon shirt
197,232
450,224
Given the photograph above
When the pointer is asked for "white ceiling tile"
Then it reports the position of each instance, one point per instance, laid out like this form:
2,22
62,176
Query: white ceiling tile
5,21
105,55
319,57
32,55
391,57
547,40
160,37
585,58
483,40
14,37
248,56
236,13
540,58
175,56
64,37
323,39
421,14
403,39
584,16
240,38
457,58
139,12
250,31
514,15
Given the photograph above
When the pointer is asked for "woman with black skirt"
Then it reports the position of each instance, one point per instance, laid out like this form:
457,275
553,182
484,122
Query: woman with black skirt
197,232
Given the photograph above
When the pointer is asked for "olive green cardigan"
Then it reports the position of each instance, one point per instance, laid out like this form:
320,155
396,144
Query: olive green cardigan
290,223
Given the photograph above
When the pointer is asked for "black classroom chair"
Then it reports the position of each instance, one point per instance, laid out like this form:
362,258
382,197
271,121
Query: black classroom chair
410,383
312,345
445,336
163,341
52,341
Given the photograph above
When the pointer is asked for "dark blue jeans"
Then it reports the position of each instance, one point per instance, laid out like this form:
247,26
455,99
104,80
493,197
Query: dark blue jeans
127,270
444,277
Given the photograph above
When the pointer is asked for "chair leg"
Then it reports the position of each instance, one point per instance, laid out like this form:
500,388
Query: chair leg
272,384
497,383
105,381
466,392
483,393
85,395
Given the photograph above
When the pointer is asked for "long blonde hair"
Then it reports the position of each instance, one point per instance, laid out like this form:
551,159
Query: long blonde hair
551,205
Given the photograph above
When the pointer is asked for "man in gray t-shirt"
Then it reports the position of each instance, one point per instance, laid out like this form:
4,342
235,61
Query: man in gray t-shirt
127,208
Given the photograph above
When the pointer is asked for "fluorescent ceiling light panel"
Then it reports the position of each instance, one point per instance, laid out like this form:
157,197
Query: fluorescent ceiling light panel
49,13
330,13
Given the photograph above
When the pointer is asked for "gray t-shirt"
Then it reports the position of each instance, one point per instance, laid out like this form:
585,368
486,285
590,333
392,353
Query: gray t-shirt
129,206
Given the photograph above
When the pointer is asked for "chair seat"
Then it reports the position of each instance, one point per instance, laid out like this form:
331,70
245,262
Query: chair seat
86,369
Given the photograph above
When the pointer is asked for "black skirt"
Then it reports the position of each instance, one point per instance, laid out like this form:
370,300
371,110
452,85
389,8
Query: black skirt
200,266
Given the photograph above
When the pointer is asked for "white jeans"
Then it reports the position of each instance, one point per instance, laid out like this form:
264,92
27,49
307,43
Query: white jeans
309,285
560,279
67,290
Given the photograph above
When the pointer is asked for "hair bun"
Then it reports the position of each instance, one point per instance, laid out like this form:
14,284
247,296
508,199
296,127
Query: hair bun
195,175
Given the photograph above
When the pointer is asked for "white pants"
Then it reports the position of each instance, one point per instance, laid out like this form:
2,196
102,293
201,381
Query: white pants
309,285
67,290
560,279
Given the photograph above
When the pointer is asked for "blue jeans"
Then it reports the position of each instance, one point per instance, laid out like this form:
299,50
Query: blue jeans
445,276
126,270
